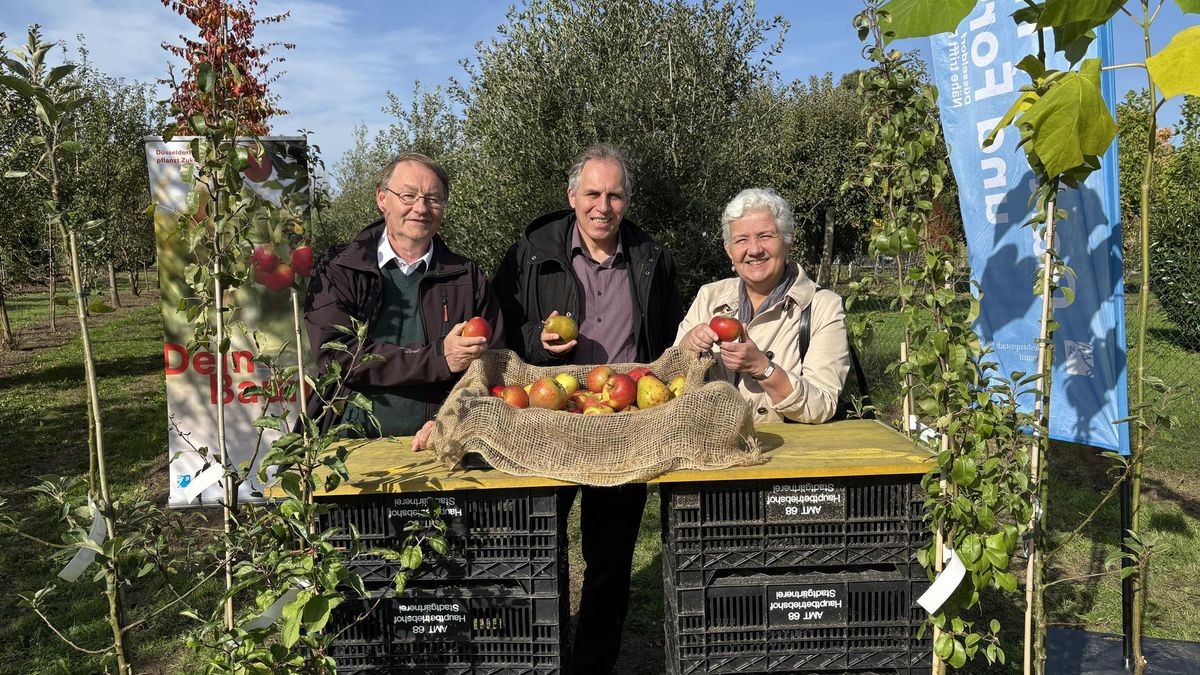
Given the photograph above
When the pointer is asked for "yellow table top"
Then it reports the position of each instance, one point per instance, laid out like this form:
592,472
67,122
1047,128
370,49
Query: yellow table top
847,448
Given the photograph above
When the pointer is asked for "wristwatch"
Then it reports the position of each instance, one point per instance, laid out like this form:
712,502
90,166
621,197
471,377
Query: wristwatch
766,373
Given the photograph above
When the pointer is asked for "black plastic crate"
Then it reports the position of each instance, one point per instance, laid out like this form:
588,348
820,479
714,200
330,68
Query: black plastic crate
512,535
493,630
854,622
791,525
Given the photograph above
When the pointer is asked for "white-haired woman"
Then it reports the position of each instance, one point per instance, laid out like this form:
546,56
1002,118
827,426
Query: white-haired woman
769,296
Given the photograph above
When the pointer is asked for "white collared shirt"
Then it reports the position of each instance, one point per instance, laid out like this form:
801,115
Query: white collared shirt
385,254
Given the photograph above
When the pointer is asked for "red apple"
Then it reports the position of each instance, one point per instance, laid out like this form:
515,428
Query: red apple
547,393
597,378
727,328
515,396
497,389
621,391
302,260
638,372
477,327
265,259
281,279
258,168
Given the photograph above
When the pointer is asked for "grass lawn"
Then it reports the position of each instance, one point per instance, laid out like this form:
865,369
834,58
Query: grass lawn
42,402
42,405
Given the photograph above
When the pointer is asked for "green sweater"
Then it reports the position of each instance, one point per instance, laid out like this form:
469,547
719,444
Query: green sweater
399,323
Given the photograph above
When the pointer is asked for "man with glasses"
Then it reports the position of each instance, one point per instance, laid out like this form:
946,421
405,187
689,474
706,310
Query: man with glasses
415,295
619,284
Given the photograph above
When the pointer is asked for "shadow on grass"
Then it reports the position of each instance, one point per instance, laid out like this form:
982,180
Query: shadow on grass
1176,337
105,368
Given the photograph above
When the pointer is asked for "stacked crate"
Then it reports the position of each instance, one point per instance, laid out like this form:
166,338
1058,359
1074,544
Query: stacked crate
495,604
794,576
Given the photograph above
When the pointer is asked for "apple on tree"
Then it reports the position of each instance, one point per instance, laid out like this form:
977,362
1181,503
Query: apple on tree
302,260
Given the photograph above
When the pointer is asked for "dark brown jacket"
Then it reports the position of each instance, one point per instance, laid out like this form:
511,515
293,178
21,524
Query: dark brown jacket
347,283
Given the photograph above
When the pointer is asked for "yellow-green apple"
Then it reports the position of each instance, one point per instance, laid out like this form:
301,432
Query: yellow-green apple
563,326
676,386
568,381
651,392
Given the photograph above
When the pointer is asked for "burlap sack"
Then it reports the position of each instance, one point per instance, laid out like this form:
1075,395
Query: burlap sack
709,427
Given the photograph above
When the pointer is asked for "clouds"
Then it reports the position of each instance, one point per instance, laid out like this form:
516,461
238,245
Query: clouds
347,55
347,58
123,37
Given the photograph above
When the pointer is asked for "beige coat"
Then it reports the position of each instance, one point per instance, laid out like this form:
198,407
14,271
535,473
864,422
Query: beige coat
817,381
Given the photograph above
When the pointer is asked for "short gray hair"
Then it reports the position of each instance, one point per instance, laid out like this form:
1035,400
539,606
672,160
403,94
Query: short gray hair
607,152
385,174
760,199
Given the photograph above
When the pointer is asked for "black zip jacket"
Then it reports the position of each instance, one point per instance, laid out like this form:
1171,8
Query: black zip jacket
536,278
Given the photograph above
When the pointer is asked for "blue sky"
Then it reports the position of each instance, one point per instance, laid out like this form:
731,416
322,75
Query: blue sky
350,53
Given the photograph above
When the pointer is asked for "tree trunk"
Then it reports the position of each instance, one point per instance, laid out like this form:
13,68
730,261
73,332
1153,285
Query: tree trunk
112,285
133,282
827,249
7,339
7,336
50,266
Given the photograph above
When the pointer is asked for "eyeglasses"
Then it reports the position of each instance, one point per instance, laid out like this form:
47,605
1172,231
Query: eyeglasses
410,198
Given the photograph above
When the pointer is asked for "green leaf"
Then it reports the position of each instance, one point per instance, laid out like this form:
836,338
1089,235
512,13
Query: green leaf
207,79
1189,6
411,558
43,113
316,612
59,73
971,549
964,471
1023,103
959,658
922,18
292,614
1174,67
1071,123
73,147
15,174
439,545
23,88
1076,17
944,646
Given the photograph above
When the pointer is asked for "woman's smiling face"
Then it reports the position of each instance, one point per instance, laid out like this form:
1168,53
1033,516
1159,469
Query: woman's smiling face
757,250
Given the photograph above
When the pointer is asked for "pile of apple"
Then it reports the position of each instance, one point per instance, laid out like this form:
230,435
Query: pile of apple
603,393
277,275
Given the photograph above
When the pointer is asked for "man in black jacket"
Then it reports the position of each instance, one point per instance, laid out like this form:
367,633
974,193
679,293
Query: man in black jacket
414,294
619,285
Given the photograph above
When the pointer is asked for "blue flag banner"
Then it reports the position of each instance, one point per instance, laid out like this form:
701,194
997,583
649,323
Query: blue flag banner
974,69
